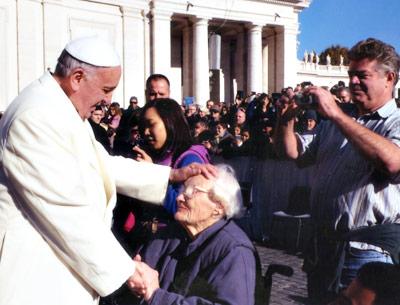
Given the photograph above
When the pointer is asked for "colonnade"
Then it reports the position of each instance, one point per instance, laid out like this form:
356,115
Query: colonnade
161,36
255,57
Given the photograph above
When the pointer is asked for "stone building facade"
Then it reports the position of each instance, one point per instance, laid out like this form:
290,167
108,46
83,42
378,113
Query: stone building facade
202,46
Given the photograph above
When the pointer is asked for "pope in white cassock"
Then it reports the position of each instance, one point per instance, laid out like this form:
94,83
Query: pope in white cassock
58,186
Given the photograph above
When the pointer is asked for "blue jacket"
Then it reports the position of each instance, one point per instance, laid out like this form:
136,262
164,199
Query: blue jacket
218,267
195,154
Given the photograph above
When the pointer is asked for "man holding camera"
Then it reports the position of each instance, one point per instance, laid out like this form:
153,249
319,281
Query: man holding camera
357,182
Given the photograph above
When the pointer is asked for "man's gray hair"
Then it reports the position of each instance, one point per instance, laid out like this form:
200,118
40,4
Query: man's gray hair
383,53
226,189
67,63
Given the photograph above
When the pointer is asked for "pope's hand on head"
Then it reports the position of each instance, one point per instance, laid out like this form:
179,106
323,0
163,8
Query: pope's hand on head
194,169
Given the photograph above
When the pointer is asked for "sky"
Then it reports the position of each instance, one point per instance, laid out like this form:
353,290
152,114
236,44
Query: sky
345,22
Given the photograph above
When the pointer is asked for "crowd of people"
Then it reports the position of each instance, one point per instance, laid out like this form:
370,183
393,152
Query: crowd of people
173,238
245,128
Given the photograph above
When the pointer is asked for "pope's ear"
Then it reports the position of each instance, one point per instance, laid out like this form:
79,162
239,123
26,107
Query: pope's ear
76,78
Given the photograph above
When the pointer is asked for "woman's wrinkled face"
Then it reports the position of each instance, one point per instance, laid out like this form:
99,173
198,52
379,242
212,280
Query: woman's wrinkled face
155,132
196,210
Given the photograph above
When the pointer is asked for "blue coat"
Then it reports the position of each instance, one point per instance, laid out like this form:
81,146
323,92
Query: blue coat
218,267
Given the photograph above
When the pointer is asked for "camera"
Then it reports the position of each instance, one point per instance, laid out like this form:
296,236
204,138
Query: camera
305,100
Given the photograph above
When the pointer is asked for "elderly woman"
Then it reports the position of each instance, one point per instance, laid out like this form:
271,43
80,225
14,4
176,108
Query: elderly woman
205,258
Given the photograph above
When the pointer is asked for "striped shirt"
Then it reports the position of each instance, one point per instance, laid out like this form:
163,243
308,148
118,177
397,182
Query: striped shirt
347,190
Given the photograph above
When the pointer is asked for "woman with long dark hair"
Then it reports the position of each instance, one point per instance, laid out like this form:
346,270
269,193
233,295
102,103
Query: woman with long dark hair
167,140
164,139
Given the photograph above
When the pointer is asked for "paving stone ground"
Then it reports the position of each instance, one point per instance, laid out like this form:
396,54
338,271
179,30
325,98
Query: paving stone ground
285,290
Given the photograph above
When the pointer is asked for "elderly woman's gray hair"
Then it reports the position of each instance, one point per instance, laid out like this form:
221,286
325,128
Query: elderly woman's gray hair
226,189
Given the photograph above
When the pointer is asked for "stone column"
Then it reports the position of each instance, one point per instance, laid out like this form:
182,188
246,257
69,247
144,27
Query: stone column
9,74
272,73
254,61
265,70
201,81
30,42
239,62
186,65
161,42
289,37
133,55
280,64
56,31
147,43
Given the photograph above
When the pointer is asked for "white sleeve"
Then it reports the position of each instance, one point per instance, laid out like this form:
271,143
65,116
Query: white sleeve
51,182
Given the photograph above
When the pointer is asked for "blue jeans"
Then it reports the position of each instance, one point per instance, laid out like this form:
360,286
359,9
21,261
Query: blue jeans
322,282
355,258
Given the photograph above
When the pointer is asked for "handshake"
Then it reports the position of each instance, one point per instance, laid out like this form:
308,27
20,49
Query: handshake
144,280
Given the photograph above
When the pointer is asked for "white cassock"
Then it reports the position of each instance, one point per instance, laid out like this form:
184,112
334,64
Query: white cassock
57,192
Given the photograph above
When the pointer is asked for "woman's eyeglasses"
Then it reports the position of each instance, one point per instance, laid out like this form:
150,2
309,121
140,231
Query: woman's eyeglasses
189,191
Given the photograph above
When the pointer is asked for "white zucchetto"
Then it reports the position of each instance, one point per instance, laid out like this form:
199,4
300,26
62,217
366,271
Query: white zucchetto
94,51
